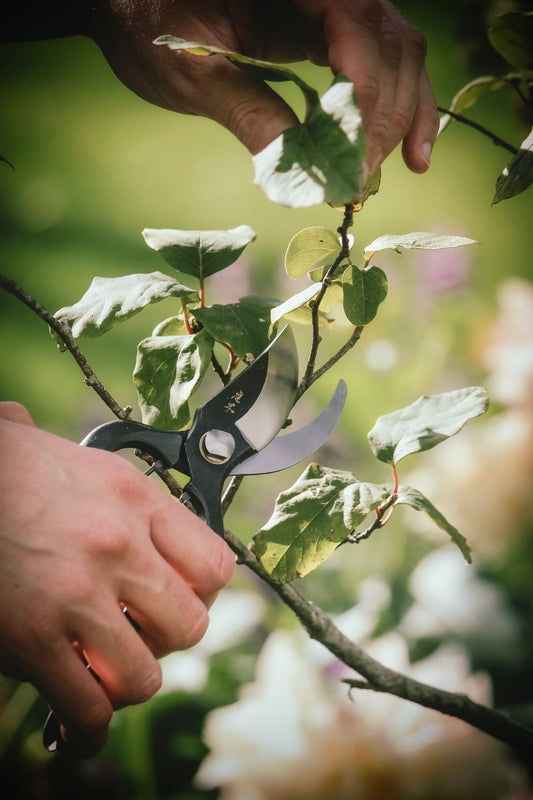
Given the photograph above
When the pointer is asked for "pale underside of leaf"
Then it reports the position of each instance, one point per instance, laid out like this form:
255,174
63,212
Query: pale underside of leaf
425,423
168,371
199,253
419,240
109,301
415,499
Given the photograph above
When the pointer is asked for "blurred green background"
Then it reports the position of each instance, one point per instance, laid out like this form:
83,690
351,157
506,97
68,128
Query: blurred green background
94,165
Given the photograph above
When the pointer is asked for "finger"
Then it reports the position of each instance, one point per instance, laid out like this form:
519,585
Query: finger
15,412
80,704
167,612
128,671
418,143
200,556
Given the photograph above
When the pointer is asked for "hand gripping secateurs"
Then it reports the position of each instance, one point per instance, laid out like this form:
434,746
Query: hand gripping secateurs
234,433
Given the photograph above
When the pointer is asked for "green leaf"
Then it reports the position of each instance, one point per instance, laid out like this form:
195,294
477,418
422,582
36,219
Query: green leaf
109,301
425,423
420,240
415,499
511,35
518,174
309,248
199,253
244,325
364,291
172,326
311,519
168,371
321,160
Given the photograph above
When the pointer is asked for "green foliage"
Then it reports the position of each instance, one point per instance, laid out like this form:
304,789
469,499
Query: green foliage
511,35
309,248
311,519
244,325
168,371
518,174
363,292
324,507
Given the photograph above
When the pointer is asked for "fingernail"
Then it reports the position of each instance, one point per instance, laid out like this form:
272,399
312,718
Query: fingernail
425,152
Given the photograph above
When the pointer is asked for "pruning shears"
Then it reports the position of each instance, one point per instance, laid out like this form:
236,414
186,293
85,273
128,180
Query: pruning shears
234,433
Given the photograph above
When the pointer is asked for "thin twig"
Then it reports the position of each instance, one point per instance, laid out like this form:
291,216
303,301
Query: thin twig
485,131
310,374
64,333
321,627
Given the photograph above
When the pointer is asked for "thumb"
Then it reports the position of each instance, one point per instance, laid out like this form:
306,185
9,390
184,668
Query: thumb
15,412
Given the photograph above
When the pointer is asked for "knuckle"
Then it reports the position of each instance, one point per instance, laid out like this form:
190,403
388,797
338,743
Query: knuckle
97,716
146,685
196,626
417,43
221,565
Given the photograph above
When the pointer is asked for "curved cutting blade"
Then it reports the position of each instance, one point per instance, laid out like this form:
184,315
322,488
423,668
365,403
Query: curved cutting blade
286,451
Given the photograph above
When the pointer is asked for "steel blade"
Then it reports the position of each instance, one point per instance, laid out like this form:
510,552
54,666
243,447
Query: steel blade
263,421
287,450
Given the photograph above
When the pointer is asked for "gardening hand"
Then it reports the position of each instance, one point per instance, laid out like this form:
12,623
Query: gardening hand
82,534
367,40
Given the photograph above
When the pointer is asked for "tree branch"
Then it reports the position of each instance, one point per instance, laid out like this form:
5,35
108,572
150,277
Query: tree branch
63,331
485,131
321,627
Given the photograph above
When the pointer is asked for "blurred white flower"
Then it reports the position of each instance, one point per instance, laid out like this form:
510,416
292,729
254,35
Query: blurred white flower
450,599
295,734
232,616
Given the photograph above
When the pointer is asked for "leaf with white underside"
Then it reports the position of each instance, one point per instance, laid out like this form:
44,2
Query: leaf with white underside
419,240
309,248
168,371
312,518
470,94
199,253
425,423
300,301
109,301
518,174
322,159
415,499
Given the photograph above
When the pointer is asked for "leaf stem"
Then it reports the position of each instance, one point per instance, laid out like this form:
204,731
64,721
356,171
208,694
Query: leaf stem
65,334
186,320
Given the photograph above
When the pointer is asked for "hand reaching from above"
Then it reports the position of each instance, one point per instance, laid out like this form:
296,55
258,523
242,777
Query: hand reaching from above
367,40
82,534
